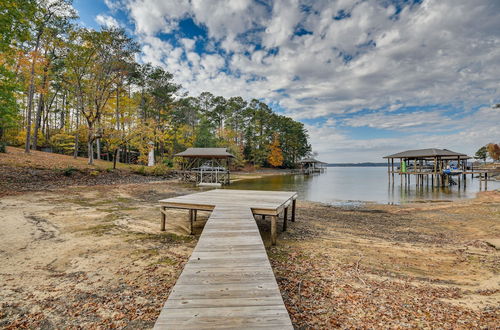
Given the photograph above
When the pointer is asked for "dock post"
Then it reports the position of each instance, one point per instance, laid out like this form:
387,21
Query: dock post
163,218
293,209
191,213
195,213
285,218
274,234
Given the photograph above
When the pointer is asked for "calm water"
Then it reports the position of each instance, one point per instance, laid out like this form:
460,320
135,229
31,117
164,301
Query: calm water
352,185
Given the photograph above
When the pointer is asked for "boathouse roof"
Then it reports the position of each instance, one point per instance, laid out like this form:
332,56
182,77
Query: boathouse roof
311,160
205,153
429,153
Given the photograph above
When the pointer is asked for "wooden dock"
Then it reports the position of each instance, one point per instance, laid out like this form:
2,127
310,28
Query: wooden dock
228,281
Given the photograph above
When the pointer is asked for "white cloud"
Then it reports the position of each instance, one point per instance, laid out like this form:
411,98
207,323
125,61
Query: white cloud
436,53
107,21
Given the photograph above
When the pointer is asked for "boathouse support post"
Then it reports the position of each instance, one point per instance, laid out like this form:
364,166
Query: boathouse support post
392,169
389,169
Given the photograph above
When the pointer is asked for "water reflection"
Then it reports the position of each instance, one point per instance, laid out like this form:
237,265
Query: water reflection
350,185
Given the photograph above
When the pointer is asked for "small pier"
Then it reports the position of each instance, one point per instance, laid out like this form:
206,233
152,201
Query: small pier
434,167
311,166
228,281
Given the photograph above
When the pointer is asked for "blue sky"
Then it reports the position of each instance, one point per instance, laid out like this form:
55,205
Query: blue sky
367,78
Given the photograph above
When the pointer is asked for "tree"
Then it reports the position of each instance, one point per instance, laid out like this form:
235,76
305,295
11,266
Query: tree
49,15
95,61
493,151
275,157
14,27
205,137
482,153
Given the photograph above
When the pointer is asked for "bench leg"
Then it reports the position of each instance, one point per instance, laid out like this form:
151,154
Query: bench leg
293,210
274,234
163,218
285,218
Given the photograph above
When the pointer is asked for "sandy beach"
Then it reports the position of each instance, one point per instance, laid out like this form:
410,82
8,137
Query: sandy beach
93,257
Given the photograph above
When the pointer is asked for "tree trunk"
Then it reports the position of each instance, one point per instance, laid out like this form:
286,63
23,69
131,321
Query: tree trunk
38,120
63,112
117,151
98,144
31,92
75,155
90,146
114,158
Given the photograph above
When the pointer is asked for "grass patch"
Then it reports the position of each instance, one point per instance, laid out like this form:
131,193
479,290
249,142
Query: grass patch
99,230
147,252
161,238
165,261
69,171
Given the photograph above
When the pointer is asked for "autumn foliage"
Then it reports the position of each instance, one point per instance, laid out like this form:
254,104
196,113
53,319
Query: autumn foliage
275,157
494,151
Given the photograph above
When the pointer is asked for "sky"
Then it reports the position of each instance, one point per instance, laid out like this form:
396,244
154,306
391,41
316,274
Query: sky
367,78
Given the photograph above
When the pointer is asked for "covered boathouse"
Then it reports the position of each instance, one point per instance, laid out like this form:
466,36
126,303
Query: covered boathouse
205,166
434,166
311,165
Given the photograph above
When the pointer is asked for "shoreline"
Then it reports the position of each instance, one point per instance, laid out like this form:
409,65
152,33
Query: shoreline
100,252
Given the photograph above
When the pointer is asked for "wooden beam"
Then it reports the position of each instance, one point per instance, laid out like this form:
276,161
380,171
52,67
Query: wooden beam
285,218
191,213
163,218
274,233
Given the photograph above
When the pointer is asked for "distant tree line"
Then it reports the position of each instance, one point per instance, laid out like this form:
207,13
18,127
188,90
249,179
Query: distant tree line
79,91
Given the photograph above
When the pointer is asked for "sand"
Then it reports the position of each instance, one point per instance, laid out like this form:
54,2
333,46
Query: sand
94,257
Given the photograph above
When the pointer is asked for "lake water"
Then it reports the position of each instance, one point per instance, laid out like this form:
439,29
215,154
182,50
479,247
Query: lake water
353,185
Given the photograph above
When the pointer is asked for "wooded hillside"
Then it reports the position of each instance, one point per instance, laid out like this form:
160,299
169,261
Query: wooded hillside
80,92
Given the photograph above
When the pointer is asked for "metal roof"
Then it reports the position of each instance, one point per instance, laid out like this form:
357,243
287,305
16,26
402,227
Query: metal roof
428,153
310,160
205,153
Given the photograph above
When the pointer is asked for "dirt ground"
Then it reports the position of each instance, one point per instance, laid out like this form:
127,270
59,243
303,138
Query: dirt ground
433,265
93,257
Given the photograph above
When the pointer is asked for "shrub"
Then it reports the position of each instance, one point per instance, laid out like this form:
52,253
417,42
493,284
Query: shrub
68,171
3,147
140,170
168,162
159,170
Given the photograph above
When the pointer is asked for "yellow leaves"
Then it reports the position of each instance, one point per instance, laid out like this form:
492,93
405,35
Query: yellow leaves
25,62
275,157
493,151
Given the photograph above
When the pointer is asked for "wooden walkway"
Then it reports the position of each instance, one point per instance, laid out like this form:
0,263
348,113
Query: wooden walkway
228,281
